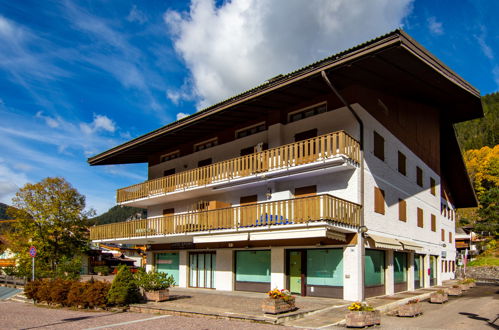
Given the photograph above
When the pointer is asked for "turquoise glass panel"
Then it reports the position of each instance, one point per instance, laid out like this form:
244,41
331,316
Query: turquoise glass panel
374,267
168,263
253,266
325,267
400,267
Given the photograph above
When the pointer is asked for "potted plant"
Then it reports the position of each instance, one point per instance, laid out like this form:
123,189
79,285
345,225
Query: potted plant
464,285
155,286
470,282
455,290
278,301
439,297
362,315
412,308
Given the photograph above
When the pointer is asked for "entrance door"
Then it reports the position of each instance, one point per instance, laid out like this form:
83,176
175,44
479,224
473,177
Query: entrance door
418,271
433,270
202,270
295,272
168,263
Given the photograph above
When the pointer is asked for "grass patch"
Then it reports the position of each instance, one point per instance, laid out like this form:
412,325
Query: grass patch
484,261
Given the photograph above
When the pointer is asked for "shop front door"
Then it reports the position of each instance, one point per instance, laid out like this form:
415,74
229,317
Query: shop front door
295,272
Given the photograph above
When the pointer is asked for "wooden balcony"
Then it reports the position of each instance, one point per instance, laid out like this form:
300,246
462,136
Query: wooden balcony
290,155
277,213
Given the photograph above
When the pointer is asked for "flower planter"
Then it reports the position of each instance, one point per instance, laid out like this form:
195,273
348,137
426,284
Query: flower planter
360,319
454,291
279,305
438,298
410,310
464,287
157,296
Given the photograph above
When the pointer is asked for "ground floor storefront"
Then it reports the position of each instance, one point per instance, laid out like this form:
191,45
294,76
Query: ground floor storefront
336,271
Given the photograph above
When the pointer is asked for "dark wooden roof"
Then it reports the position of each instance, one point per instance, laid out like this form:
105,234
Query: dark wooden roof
392,62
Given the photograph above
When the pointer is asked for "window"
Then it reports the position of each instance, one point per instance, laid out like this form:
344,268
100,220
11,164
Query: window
306,135
204,162
251,130
253,266
419,176
450,237
306,191
169,156
171,171
402,210
244,200
374,270
420,218
402,163
433,223
379,146
308,112
432,186
379,201
325,267
206,144
170,211
400,267
442,231
251,150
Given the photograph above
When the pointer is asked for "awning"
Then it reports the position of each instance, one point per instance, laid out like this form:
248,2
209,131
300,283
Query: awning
410,245
375,241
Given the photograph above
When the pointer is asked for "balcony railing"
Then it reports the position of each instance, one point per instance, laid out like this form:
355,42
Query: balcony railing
278,213
286,156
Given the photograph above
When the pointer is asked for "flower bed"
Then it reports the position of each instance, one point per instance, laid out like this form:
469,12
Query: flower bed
278,301
439,297
455,290
411,309
362,315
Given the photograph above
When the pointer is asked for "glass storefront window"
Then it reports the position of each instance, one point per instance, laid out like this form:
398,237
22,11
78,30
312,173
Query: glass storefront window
325,267
374,267
400,267
168,263
253,266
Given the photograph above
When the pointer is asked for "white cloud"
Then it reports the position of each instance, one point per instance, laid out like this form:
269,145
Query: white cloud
52,122
486,49
181,115
100,123
435,26
241,44
135,15
10,182
495,72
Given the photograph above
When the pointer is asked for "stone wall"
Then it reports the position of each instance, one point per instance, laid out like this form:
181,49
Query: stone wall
484,272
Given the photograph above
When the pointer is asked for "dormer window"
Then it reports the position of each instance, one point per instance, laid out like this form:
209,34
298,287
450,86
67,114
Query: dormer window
205,144
169,156
308,112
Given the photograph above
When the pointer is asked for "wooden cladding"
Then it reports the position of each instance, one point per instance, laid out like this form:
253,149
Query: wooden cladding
402,210
379,201
290,211
379,146
433,223
420,218
286,156
402,163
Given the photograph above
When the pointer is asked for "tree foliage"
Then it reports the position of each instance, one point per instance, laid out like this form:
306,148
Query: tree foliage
475,134
118,214
124,289
52,217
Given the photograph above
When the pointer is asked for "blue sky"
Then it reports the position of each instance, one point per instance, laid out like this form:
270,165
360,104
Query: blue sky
79,77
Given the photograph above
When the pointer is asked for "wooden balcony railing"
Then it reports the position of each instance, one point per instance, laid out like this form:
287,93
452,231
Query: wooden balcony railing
278,213
289,155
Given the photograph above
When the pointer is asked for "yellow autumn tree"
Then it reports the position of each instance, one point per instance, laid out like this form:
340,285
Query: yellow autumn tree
483,168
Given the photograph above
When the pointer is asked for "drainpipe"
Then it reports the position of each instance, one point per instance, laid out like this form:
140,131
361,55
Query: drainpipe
361,142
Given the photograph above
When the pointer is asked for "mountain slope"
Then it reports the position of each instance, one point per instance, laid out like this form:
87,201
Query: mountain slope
119,214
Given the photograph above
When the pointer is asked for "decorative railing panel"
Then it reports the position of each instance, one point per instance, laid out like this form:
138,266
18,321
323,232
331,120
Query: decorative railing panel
276,213
289,155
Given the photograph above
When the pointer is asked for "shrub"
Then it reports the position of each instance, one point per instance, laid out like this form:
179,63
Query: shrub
153,281
59,290
124,289
69,268
104,270
44,291
95,294
31,289
75,294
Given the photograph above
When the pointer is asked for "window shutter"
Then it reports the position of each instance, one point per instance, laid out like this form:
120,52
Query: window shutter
306,191
402,210
433,223
168,211
442,231
379,201
432,186
419,176
450,237
420,218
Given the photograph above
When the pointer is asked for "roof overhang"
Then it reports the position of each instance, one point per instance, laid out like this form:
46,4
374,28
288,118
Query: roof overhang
394,61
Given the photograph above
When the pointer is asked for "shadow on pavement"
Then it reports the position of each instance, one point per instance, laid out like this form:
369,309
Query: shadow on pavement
479,318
